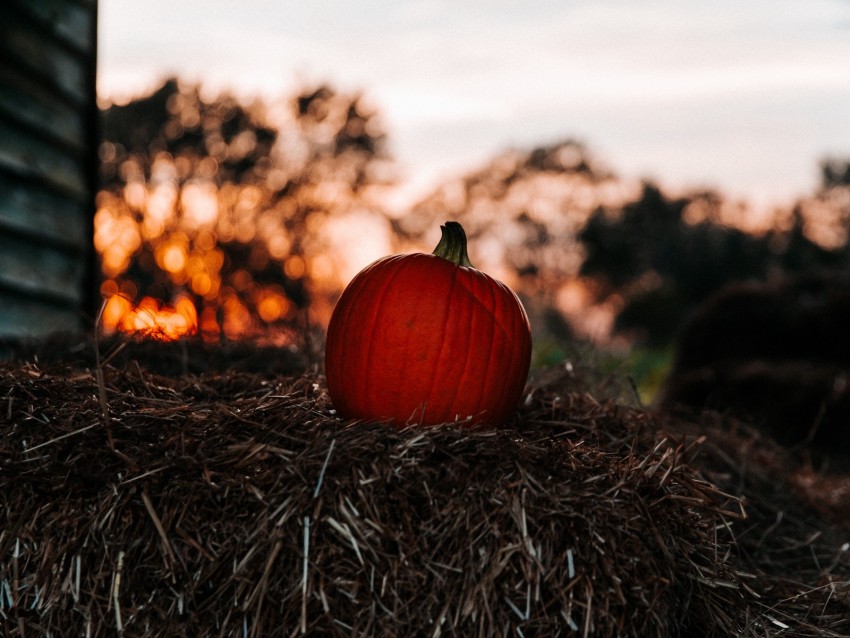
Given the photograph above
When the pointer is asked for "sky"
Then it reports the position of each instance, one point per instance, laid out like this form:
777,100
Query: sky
742,97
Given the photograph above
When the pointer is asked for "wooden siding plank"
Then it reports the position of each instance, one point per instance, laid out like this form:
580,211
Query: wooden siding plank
21,317
26,48
25,101
67,21
28,209
34,158
39,270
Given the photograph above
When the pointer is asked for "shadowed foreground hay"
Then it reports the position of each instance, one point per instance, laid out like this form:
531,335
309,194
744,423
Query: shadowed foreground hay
236,504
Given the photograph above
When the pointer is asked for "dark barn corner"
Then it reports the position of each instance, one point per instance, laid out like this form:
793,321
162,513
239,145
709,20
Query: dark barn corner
48,155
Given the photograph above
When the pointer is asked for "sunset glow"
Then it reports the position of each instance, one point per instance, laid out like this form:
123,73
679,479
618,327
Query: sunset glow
257,232
186,249
149,318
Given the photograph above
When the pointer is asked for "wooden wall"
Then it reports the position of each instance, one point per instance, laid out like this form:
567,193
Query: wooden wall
48,165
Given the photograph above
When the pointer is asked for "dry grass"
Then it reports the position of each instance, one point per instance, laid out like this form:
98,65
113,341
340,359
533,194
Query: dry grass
234,503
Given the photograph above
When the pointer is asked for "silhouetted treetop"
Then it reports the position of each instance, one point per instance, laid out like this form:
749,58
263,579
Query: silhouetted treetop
834,173
180,123
523,210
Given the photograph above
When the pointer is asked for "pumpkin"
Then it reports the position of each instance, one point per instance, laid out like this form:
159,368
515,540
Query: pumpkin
427,339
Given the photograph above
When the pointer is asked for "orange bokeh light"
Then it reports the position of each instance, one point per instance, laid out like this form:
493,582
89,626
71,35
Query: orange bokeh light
173,258
149,317
273,306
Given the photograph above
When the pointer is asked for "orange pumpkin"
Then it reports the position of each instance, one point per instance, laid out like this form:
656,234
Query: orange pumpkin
426,339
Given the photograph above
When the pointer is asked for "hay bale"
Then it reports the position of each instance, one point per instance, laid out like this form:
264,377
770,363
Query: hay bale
775,353
234,503
793,548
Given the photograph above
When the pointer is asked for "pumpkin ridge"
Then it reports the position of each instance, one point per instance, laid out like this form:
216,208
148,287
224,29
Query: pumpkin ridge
421,409
496,316
488,309
373,324
483,390
446,316
518,359
462,380
334,367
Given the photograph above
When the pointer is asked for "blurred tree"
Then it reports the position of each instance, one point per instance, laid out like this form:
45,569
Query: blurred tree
523,212
826,215
615,257
663,260
835,173
206,198
660,264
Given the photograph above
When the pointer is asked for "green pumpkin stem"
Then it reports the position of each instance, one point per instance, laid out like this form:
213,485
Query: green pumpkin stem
452,245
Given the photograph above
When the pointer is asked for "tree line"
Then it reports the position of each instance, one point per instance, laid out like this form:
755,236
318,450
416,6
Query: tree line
232,203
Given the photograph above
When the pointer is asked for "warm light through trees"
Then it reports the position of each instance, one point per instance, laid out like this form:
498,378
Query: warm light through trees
206,202
244,220
626,259
523,213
